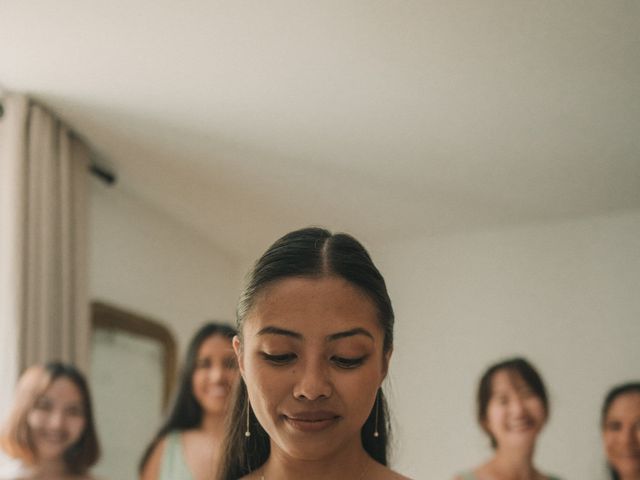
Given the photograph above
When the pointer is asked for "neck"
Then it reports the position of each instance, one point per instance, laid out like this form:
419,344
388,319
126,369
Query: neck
348,462
213,425
633,476
514,462
54,466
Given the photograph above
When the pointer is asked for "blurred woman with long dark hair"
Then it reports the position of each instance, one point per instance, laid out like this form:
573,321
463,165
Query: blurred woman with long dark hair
620,422
187,445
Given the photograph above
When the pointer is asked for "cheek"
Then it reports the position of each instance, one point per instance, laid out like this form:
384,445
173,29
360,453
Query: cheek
35,419
268,382
77,426
494,418
494,414
366,380
196,379
536,407
269,389
608,441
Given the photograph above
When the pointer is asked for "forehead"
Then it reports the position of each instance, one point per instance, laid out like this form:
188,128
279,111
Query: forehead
313,306
215,345
626,405
63,390
507,380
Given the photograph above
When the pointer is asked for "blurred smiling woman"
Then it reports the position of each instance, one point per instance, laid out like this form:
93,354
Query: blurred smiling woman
621,431
315,337
50,432
513,408
186,446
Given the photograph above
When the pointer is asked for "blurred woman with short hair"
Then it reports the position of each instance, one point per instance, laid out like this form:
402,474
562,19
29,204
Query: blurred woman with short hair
50,431
513,408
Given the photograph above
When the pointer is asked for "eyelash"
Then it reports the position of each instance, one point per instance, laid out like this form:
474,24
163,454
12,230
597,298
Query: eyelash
340,362
348,363
279,360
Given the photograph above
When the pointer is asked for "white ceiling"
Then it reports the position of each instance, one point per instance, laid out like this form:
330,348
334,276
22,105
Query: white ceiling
385,118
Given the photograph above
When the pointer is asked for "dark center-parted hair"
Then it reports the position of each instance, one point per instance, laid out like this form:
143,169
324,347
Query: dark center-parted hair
612,395
517,366
15,439
309,253
185,412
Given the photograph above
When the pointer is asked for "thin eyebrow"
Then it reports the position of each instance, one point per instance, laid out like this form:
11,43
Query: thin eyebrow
350,333
334,336
279,331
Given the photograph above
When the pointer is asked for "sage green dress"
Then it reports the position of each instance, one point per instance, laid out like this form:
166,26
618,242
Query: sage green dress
174,465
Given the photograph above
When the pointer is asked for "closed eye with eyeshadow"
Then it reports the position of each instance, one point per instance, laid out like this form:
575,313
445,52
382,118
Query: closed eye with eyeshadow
339,361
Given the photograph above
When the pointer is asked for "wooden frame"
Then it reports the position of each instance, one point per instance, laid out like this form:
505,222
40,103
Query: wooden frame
112,318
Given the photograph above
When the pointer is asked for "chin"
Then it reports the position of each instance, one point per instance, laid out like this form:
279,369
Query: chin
521,440
627,470
215,409
309,454
310,447
49,454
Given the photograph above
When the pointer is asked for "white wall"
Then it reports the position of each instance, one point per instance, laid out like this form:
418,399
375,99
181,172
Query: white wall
144,261
565,295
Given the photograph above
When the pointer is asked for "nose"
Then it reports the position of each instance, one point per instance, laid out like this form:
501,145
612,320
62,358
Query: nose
56,419
216,373
631,437
517,406
313,382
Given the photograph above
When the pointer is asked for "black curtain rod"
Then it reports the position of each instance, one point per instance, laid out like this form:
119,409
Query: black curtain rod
103,174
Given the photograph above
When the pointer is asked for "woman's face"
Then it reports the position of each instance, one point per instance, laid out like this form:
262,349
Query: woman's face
57,419
312,358
214,375
515,414
621,435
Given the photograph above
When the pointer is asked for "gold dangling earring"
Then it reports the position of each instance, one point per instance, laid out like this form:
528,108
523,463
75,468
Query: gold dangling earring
247,433
376,434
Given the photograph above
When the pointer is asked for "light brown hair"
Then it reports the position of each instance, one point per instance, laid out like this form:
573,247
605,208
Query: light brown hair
15,437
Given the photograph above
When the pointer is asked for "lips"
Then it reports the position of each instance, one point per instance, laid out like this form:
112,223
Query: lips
312,421
520,426
53,439
217,391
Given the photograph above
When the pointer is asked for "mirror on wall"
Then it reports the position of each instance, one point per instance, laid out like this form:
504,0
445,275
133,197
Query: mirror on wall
133,362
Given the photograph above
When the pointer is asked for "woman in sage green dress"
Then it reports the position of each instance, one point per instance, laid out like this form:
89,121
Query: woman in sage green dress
186,447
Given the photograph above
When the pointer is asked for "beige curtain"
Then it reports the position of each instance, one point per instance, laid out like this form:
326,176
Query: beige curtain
43,252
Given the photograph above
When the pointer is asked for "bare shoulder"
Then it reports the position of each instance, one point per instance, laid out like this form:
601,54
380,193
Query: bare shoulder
396,476
251,476
151,470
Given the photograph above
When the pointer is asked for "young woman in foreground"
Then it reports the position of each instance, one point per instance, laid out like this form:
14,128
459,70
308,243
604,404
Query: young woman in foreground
50,432
512,409
315,339
621,431
187,446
